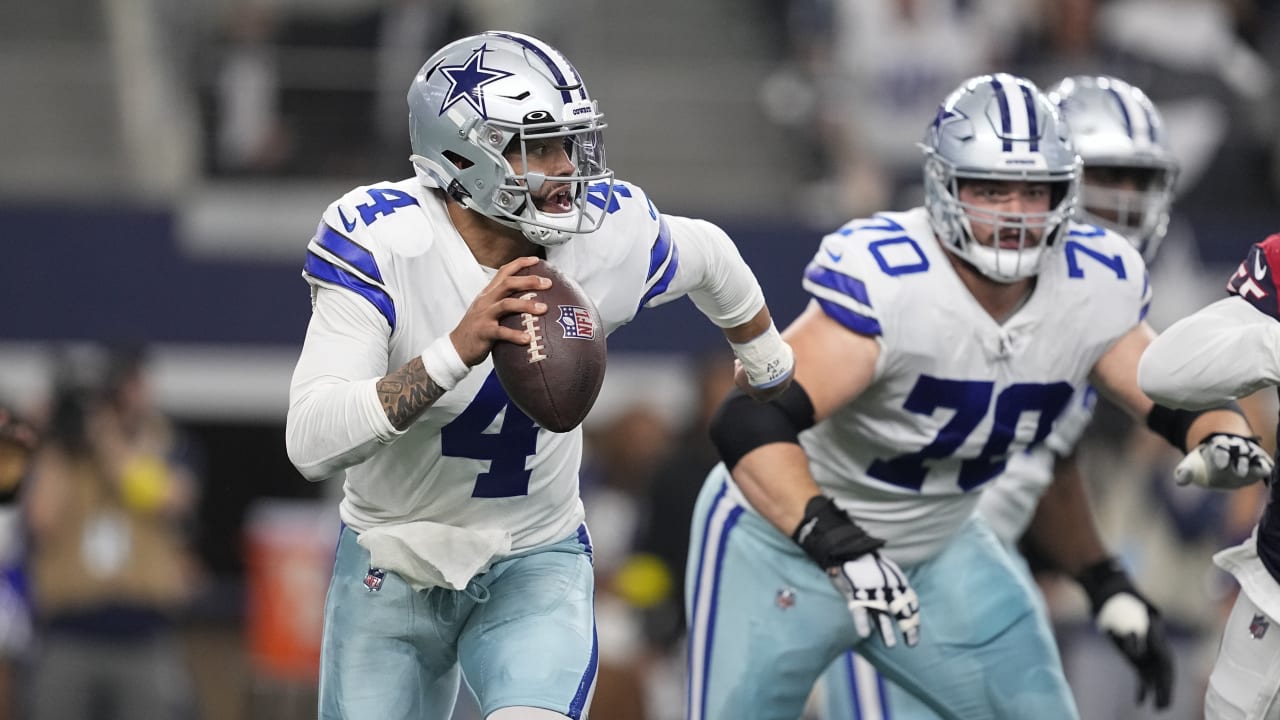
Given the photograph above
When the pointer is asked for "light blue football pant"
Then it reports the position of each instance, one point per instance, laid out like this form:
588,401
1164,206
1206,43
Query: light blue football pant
521,634
852,689
765,622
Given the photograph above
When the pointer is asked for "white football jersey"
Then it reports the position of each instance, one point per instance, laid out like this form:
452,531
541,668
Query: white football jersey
1008,502
389,275
955,393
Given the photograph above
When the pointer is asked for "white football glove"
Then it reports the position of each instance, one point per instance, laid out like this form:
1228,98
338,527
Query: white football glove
876,590
1224,462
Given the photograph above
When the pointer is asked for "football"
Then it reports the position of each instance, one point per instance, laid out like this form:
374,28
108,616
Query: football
556,377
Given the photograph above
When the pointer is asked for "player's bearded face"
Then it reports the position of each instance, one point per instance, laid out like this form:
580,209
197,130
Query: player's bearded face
1008,215
550,157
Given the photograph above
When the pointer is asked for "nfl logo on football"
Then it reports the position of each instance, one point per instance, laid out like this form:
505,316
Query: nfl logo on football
576,322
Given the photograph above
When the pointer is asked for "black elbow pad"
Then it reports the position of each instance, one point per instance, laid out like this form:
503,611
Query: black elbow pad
743,424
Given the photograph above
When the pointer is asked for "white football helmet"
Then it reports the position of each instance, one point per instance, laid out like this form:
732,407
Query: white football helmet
999,127
493,93
1120,135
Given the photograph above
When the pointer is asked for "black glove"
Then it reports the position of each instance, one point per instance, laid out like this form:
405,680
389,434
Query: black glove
877,592
1134,625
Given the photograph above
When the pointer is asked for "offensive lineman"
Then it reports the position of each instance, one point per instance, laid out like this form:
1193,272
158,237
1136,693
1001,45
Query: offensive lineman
939,342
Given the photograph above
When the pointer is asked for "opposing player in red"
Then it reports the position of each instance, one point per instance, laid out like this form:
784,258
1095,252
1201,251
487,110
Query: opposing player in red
1227,350
464,552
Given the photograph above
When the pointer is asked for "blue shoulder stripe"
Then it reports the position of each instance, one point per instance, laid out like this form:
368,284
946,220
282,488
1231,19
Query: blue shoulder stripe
321,269
838,281
662,248
344,247
856,322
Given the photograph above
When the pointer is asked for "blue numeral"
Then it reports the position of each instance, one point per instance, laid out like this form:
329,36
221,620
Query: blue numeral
385,202
1073,250
971,399
597,192
507,450
1047,400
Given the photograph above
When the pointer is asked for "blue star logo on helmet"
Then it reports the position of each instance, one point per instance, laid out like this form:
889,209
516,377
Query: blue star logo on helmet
466,82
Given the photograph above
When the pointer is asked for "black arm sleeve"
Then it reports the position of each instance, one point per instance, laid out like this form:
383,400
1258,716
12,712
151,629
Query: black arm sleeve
1173,425
743,424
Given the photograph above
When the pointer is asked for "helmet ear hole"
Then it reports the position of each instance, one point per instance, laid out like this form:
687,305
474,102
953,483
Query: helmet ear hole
458,161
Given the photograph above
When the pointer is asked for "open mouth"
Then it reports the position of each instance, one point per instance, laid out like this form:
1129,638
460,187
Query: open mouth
1012,240
558,201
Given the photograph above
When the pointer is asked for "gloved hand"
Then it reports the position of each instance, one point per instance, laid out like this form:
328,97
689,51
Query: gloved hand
875,588
1134,626
1224,461
877,591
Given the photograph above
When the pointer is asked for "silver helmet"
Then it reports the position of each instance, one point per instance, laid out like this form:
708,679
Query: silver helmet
1120,136
497,93
999,128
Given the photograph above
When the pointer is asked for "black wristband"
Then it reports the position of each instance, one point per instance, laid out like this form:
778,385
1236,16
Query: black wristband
1173,425
743,424
830,536
1104,579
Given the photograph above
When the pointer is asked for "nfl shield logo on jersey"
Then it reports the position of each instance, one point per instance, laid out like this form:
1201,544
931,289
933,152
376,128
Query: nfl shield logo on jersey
373,580
1259,626
576,322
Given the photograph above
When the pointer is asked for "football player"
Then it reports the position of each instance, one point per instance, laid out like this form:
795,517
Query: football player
939,342
1127,187
1229,350
463,552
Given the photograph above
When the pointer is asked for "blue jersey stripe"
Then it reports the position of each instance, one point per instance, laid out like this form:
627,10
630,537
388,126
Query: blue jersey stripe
856,322
723,541
321,269
1124,112
1032,128
838,281
1006,122
661,248
551,64
579,702
664,282
698,599
346,248
852,677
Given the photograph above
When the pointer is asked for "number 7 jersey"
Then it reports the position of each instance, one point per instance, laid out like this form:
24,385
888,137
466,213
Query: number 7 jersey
954,393
389,275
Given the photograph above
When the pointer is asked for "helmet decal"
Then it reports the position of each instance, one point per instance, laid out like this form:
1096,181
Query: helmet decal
466,82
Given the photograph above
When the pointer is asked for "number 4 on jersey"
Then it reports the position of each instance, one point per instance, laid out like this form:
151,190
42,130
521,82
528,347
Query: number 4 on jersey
508,449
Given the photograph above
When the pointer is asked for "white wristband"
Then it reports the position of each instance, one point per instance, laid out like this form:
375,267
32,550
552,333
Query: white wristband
767,358
443,363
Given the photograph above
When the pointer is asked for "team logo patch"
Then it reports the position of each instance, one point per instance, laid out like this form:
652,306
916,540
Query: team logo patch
576,322
467,81
786,598
1259,626
373,580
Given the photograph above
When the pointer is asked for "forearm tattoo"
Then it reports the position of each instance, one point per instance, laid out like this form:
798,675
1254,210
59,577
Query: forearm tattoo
406,393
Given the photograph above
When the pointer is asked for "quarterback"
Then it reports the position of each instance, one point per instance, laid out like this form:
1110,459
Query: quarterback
463,552
939,342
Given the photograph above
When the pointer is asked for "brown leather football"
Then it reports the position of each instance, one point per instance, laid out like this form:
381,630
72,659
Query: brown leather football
556,377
